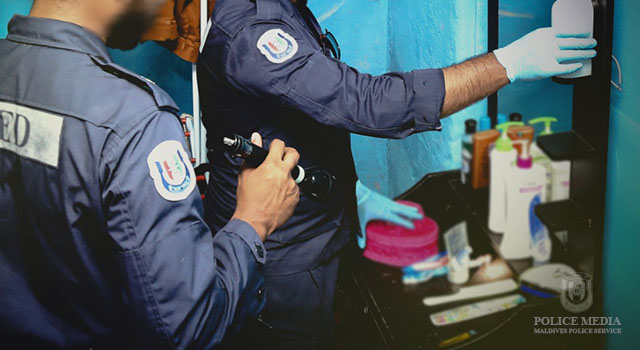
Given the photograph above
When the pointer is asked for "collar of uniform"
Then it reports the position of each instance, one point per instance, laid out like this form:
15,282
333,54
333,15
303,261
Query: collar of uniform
268,8
56,34
274,9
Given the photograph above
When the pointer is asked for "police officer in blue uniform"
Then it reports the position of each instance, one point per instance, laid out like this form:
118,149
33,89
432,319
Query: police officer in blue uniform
102,239
267,66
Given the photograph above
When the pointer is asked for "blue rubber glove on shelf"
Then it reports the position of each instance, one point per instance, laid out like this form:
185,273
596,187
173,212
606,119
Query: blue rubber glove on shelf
374,206
544,53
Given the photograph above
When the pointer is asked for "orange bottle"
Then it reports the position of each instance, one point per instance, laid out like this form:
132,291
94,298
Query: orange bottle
480,162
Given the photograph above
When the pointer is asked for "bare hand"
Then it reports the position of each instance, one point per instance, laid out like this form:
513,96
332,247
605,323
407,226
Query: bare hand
267,195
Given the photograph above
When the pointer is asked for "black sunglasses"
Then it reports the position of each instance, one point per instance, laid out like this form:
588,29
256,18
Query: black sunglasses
329,41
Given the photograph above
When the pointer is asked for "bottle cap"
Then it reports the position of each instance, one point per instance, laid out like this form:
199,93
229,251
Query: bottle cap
470,126
504,143
524,163
547,124
502,118
515,117
484,123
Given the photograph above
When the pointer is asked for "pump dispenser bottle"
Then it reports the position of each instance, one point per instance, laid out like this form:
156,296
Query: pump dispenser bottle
558,172
525,188
571,17
500,158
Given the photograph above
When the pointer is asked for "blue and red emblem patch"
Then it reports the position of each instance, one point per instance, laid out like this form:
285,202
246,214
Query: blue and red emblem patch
171,171
277,46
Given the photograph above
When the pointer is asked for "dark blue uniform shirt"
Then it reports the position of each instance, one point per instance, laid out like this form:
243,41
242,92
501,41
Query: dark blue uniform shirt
102,237
263,69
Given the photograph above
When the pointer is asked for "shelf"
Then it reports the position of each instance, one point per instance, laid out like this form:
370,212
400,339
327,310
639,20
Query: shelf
565,146
562,215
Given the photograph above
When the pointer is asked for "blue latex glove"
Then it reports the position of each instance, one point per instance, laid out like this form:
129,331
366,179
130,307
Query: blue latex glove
544,53
374,206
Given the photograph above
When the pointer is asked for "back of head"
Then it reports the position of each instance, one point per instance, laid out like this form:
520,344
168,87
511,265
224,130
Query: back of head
121,23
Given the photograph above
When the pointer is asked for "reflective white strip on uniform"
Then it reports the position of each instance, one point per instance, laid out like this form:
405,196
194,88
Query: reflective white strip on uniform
30,133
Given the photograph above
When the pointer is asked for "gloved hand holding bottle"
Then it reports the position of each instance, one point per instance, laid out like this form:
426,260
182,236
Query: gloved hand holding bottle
545,53
374,206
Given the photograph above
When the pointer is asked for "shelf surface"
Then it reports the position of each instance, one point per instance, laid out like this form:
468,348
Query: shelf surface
565,146
562,215
397,312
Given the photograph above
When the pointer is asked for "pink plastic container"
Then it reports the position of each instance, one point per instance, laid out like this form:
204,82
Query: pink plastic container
395,245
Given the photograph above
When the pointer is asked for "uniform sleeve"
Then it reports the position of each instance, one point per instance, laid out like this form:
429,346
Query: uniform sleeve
258,61
185,288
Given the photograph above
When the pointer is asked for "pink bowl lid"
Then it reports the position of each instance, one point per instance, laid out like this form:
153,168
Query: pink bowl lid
425,231
399,256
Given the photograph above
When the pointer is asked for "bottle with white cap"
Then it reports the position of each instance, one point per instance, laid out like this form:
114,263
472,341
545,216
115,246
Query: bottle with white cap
572,17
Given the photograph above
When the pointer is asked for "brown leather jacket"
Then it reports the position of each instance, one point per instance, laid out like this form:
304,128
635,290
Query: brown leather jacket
177,27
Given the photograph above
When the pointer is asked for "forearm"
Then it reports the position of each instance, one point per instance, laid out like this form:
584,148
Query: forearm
191,288
471,81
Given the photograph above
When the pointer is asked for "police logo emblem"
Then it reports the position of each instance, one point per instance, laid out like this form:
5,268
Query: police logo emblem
172,173
277,46
577,292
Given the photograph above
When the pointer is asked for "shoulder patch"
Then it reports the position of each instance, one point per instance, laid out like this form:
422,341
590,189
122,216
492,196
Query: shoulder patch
171,171
277,46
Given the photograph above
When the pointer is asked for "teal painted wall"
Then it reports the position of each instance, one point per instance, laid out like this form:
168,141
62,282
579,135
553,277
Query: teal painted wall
363,39
622,222
433,34
10,7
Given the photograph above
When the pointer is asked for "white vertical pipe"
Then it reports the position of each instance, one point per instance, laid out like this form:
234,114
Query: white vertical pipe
199,132
196,117
203,35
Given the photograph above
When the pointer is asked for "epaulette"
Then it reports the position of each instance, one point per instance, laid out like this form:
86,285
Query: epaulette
162,99
268,10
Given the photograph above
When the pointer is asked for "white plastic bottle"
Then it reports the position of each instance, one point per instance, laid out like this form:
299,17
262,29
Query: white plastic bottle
558,172
540,240
560,180
500,159
574,16
525,186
